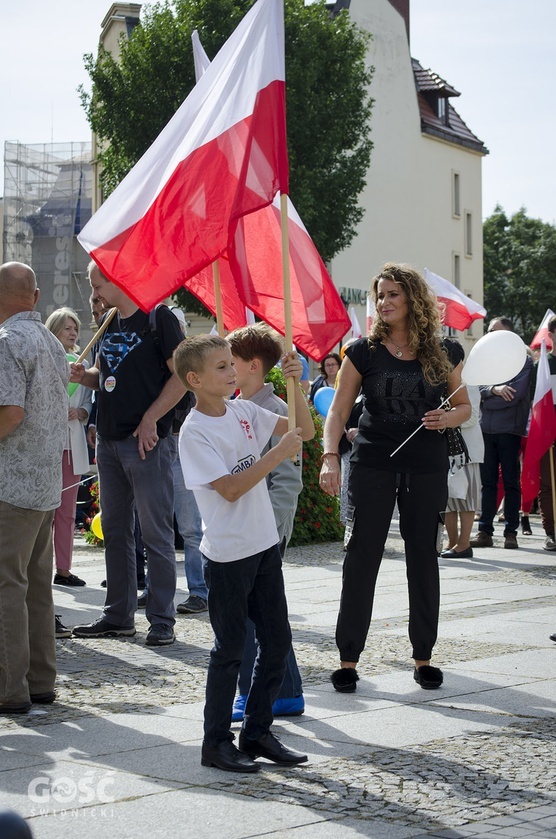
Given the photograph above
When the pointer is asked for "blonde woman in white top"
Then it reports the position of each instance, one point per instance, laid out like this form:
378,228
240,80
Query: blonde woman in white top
64,323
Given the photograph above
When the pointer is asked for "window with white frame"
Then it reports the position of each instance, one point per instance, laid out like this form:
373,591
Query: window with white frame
456,206
468,234
457,270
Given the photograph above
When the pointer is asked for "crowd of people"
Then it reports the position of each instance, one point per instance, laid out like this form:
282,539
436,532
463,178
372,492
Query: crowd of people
187,433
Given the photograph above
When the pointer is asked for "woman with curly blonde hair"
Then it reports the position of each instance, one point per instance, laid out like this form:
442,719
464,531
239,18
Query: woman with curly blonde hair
404,368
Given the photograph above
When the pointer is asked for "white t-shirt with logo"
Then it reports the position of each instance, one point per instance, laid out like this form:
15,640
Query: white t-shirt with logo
211,447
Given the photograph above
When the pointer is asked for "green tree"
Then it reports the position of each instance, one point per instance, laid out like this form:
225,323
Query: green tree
328,104
519,269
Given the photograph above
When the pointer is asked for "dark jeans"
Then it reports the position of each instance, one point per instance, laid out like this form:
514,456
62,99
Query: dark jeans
252,587
500,450
421,500
292,684
545,494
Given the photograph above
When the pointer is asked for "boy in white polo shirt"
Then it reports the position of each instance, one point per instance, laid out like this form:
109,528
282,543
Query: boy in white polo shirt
220,445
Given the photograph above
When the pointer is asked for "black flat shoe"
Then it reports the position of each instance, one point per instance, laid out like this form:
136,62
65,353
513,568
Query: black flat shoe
72,580
227,757
15,708
451,553
429,678
43,698
344,679
270,747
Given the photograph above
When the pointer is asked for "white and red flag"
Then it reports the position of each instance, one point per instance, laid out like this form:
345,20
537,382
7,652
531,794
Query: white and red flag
542,332
252,268
542,430
222,155
459,310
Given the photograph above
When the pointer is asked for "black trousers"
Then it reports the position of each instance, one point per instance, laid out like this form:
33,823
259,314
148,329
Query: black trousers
421,500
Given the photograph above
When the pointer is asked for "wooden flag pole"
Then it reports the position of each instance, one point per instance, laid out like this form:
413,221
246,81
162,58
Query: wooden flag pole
218,298
552,481
288,331
97,335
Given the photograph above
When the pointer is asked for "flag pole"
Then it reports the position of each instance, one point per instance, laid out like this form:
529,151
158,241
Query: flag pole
288,331
552,481
218,298
97,334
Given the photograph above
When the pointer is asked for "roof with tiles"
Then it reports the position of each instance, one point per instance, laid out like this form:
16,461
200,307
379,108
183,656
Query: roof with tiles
448,126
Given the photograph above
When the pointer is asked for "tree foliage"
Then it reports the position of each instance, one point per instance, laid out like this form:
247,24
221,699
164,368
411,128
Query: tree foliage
519,269
317,518
328,104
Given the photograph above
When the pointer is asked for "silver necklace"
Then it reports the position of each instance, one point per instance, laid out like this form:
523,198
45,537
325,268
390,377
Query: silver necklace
399,349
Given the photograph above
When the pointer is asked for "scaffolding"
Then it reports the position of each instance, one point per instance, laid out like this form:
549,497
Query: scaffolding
47,200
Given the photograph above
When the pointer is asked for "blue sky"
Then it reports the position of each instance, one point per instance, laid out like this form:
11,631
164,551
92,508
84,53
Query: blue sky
498,53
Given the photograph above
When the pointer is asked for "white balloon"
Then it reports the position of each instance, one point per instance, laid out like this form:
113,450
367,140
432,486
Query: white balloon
496,358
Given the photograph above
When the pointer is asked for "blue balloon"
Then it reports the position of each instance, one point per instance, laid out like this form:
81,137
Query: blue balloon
323,400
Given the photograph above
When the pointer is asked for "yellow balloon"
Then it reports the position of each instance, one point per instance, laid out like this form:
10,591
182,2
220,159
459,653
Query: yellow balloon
96,527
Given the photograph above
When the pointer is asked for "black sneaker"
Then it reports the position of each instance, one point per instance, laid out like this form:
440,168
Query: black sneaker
142,600
61,630
193,604
159,635
102,629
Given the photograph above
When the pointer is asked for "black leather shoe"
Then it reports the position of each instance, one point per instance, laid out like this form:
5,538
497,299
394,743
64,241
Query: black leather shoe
225,756
15,707
450,553
552,637
270,747
43,698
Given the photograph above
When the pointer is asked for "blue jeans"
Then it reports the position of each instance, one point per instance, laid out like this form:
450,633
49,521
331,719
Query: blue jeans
124,479
251,587
188,518
500,450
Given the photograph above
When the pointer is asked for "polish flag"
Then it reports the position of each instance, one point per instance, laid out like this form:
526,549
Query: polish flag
543,333
251,274
459,310
542,430
222,155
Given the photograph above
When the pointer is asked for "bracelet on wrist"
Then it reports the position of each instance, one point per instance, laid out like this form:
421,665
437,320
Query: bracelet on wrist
330,454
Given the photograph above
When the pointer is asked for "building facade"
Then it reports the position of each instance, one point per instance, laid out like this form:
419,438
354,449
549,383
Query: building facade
47,200
423,197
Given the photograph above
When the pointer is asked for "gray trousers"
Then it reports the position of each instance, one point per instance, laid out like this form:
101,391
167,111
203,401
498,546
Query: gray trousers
125,479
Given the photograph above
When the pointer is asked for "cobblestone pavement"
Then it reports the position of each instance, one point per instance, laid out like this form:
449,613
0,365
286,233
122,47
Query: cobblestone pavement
473,759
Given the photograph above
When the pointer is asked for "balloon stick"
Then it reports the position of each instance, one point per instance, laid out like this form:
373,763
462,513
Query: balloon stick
419,427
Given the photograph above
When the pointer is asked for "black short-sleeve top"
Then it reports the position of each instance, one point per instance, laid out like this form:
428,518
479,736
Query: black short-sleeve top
396,398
